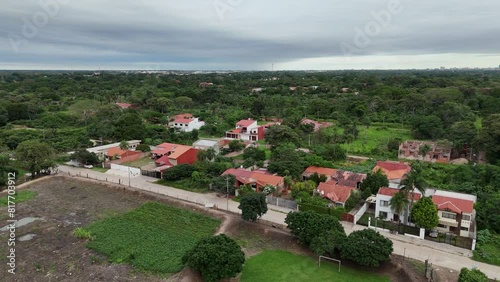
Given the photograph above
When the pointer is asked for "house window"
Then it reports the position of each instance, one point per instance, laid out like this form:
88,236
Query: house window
449,215
384,203
176,124
382,214
464,229
442,226
466,217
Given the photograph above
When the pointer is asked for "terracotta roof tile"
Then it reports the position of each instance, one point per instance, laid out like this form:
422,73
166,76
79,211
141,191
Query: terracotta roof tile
335,193
456,205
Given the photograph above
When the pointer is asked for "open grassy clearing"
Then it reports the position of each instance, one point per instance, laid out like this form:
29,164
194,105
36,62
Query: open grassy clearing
152,238
140,162
375,137
276,266
19,197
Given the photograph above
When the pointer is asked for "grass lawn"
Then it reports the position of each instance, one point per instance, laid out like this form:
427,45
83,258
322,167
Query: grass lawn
276,266
268,152
185,184
375,137
19,197
100,169
489,252
140,162
152,238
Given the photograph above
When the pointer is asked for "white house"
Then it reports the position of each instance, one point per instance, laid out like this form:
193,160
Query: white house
246,130
383,207
186,123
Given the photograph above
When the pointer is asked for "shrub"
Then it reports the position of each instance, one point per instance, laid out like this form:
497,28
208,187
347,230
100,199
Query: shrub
82,234
474,275
367,247
178,172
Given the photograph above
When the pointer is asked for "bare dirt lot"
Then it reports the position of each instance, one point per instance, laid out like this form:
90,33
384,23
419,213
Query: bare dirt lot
64,204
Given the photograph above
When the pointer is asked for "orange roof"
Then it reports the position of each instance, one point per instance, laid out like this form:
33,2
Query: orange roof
248,177
124,105
115,151
183,120
392,191
453,204
335,193
184,116
245,122
393,170
320,171
179,151
237,130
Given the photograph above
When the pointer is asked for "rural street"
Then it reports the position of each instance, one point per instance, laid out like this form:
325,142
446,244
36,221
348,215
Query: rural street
438,254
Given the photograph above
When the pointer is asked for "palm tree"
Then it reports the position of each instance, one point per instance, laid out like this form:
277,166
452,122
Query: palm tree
124,145
414,180
399,204
210,154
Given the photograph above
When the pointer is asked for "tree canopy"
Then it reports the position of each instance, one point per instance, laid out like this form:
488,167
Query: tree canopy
367,248
35,156
218,257
253,206
424,214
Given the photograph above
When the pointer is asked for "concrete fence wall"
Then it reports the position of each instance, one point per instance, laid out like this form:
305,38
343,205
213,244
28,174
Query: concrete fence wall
361,211
134,172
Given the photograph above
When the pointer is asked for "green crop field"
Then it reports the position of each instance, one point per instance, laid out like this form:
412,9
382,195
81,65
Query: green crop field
277,266
152,238
19,197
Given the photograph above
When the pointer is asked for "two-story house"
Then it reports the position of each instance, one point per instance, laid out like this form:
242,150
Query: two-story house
186,123
455,210
246,130
383,205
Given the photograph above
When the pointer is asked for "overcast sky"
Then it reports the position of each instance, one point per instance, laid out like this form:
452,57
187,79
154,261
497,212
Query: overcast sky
248,34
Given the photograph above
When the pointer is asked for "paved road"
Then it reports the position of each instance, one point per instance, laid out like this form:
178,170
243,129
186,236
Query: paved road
438,254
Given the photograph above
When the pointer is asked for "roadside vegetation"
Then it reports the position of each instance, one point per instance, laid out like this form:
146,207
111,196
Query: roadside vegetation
21,196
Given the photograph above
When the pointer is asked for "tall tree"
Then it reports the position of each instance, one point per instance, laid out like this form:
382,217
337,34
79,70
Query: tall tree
216,258
399,204
414,180
425,214
35,156
253,206
367,248
374,181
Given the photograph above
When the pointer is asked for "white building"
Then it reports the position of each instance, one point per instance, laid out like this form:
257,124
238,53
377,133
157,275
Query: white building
205,144
186,124
383,207
246,130
101,151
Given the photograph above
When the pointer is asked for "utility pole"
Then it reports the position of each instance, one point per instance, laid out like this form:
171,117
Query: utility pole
227,193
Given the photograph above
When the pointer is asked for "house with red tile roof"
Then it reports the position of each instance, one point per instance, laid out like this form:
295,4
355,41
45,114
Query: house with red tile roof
383,207
256,179
395,171
456,212
174,154
186,123
338,194
246,130
336,176
316,124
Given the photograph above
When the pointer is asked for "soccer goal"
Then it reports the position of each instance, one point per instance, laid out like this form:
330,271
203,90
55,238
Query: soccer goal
327,258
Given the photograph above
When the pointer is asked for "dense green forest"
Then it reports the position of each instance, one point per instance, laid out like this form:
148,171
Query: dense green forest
371,113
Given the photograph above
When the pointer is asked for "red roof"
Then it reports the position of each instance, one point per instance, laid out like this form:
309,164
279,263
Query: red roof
335,193
391,192
249,177
115,151
453,204
320,170
245,122
237,130
393,170
124,105
163,161
183,120
184,116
